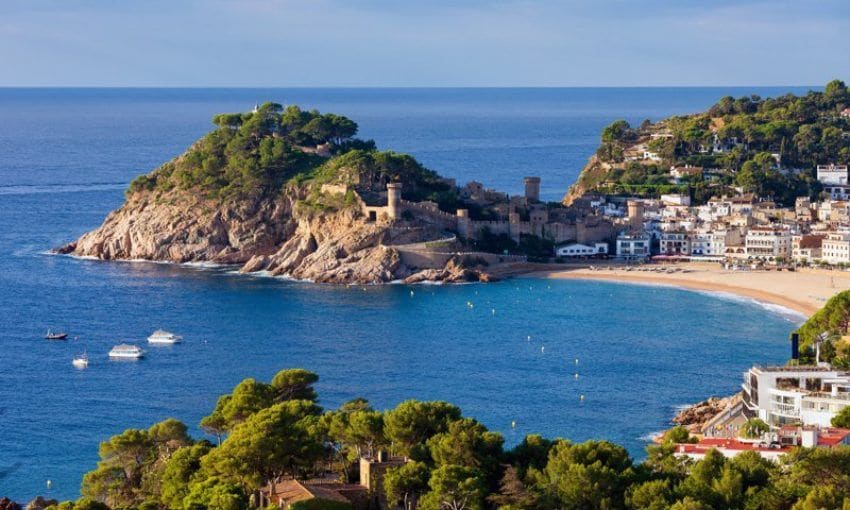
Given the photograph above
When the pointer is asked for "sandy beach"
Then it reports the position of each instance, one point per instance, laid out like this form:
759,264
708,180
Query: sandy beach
804,291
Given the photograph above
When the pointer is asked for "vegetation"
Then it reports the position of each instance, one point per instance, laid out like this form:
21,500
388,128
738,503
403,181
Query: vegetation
829,324
261,151
277,429
768,146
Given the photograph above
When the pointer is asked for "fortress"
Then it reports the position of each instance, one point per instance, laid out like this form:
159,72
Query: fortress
488,212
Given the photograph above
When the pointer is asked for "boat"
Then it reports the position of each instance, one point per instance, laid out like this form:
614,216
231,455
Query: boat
126,351
164,337
50,335
81,361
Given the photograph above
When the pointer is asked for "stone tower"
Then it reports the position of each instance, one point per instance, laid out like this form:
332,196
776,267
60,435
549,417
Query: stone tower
463,223
394,200
635,211
532,189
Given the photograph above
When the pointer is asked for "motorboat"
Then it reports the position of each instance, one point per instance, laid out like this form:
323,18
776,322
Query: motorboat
126,351
164,337
50,335
80,361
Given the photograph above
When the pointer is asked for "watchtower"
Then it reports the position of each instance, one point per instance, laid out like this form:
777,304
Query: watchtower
394,200
532,189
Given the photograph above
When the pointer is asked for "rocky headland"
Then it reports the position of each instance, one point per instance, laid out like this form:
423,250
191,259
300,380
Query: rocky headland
293,194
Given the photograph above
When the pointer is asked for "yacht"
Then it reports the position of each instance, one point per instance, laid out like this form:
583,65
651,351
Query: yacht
81,361
126,351
164,337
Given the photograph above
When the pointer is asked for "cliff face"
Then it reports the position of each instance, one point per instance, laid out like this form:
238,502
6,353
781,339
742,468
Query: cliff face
592,174
279,235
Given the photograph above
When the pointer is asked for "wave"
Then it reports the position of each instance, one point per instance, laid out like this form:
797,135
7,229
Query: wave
33,189
787,313
652,436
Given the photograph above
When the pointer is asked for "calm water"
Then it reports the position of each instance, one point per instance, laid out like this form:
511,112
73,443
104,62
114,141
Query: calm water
67,155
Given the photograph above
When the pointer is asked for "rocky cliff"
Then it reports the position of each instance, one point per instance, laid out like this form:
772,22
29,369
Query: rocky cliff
257,192
279,235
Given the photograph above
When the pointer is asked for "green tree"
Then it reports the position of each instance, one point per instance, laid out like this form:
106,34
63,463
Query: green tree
404,484
178,472
454,488
214,493
412,423
294,384
593,474
467,443
842,418
651,495
272,442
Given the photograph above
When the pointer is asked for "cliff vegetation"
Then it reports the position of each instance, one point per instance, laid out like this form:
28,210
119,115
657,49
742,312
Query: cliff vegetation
767,146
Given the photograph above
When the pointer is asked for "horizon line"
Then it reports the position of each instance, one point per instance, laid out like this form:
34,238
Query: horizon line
394,87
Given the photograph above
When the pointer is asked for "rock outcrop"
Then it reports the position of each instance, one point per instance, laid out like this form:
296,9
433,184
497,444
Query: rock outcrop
8,504
695,416
278,235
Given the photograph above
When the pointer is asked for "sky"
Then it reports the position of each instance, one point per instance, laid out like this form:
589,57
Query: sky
422,43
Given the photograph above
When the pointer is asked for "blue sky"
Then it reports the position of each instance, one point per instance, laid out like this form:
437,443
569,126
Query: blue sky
308,43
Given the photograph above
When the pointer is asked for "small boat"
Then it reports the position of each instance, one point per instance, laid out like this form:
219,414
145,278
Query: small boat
80,361
126,351
164,337
50,335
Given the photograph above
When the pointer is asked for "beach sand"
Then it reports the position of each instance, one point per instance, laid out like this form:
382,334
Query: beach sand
804,291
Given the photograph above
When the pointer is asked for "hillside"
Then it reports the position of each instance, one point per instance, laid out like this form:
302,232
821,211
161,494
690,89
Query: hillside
832,324
279,190
768,146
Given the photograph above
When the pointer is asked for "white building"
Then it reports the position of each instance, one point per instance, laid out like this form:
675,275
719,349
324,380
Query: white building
832,174
768,242
633,246
808,395
675,199
675,243
835,249
837,191
581,250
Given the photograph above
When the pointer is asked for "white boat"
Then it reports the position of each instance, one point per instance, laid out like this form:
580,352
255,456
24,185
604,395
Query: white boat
164,337
126,351
81,361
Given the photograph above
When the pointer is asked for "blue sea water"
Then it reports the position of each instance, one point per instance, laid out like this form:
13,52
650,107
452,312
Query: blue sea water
66,156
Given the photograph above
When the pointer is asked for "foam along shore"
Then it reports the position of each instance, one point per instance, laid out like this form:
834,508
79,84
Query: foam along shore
804,291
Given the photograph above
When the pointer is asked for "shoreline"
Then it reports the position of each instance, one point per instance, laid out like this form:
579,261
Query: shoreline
803,309
803,291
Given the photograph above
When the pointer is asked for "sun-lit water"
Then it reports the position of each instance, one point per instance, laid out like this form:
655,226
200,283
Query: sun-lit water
66,156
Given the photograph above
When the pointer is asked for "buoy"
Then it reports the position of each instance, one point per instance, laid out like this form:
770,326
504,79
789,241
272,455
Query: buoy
581,397
513,424
529,338
576,361
542,348
576,376
49,484
494,311
411,293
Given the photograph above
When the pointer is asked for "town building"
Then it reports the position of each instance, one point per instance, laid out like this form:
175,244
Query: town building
768,242
633,246
790,395
771,448
835,248
832,174
581,250
807,248
674,243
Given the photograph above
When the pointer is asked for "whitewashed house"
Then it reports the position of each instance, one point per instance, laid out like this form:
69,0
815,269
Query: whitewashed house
581,250
832,174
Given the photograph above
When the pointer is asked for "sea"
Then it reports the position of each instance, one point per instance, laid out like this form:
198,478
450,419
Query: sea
573,359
